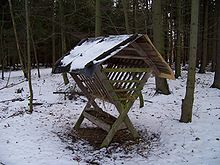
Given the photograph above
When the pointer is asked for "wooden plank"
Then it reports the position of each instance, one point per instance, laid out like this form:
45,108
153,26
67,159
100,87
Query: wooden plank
148,60
115,127
129,57
97,121
118,105
125,90
125,81
85,91
81,117
126,69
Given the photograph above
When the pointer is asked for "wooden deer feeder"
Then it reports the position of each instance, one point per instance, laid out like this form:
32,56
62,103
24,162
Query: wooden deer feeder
115,69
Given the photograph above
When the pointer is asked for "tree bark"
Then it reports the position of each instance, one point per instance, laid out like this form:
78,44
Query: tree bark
63,38
205,39
53,35
179,40
135,30
187,104
125,5
29,55
17,42
158,38
216,83
2,45
98,19
35,55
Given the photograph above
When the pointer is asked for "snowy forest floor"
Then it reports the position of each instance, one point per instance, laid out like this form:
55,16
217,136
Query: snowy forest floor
44,137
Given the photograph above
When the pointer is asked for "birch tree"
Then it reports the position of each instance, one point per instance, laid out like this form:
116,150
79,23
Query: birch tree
28,55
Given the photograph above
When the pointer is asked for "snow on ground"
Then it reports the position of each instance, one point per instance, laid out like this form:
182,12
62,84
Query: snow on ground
42,138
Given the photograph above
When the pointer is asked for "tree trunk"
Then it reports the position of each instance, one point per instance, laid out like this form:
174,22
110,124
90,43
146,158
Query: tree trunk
158,38
214,35
17,42
29,55
216,83
135,30
53,35
179,39
205,38
2,45
187,104
63,38
98,19
125,5
35,56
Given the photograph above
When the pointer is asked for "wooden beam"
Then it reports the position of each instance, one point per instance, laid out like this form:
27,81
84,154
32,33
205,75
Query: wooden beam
85,91
125,90
81,117
97,121
126,69
147,60
117,103
129,57
124,81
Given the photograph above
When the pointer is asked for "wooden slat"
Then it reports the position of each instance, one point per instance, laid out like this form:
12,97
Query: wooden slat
119,107
97,121
129,57
126,70
124,90
125,81
148,60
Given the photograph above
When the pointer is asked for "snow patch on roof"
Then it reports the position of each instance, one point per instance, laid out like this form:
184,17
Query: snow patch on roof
92,48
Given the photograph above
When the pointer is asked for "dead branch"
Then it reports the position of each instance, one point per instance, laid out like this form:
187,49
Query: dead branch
12,85
12,100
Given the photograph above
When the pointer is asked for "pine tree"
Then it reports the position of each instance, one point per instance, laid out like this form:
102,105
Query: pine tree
158,39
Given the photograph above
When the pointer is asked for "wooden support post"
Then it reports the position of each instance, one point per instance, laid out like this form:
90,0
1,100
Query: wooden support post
81,117
115,127
117,103
89,97
91,101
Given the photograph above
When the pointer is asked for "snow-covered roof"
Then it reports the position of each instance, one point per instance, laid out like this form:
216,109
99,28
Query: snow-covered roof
91,49
91,52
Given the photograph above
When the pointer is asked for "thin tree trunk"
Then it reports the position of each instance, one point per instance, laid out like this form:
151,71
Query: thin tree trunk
29,55
2,45
158,38
135,30
205,38
63,38
54,36
98,19
35,56
216,83
187,104
125,5
17,42
214,41
179,39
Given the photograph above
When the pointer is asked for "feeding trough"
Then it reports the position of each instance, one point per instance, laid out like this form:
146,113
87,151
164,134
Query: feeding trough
115,69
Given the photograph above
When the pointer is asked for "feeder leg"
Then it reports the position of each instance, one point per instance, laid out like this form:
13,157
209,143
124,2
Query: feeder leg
131,128
129,125
81,117
114,128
